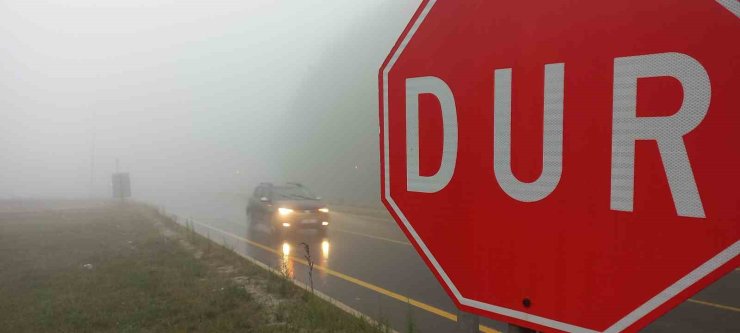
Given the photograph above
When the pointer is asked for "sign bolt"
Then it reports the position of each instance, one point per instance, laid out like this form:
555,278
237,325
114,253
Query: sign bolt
526,302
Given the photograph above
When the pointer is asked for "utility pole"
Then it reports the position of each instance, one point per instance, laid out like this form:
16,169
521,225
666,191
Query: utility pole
92,156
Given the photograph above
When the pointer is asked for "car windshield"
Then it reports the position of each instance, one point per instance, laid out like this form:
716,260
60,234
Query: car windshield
293,192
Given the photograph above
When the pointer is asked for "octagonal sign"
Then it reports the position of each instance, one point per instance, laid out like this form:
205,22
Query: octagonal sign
567,165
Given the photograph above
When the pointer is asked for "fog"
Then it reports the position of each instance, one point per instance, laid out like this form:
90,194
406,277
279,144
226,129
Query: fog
192,96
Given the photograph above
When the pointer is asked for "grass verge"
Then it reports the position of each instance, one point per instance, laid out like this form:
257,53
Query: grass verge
125,268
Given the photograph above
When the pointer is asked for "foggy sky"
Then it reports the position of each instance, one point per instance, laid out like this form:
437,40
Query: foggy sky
191,95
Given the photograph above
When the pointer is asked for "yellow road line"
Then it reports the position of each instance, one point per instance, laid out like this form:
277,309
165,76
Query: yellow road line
381,290
714,305
372,236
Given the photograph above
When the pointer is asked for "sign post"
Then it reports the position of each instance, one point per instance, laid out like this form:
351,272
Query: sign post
518,329
467,322
551,162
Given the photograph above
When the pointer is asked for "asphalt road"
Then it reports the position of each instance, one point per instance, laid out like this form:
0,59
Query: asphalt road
366,263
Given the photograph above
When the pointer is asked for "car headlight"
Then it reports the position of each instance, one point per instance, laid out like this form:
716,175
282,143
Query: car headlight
284,211
324,210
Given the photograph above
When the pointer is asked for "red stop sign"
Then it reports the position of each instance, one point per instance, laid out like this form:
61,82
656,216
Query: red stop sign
567,165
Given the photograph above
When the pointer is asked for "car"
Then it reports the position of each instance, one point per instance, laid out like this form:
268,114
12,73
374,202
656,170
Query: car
287,208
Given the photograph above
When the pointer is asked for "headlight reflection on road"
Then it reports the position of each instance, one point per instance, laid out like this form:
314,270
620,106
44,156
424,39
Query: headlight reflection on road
325,249
324,261
286,264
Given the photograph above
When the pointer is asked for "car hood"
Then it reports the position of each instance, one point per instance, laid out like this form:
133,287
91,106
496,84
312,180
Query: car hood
300,204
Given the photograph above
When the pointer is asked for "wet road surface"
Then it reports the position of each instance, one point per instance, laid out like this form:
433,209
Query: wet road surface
367,264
